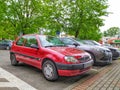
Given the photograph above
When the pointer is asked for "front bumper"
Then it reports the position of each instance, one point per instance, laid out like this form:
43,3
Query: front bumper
116,54
73,69
107,58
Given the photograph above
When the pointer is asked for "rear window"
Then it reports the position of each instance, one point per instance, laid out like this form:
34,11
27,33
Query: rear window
20,42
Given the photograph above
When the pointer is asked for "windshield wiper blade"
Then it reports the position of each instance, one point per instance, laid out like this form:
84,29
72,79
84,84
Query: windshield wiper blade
49,46
62,45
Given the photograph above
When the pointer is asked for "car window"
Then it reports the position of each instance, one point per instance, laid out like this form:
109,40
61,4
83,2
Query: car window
88,42
68,41
30,40
50,41
20,42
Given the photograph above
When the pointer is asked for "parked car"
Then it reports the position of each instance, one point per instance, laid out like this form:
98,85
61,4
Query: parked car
115,51
50,55
5,44
99,54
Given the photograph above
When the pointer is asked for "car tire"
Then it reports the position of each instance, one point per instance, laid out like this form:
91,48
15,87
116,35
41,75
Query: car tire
49,70
14,62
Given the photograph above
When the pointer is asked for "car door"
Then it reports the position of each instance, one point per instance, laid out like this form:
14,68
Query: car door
19,48
31,54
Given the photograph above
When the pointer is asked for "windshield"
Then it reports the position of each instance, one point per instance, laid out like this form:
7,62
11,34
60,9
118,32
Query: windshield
96,43
87,42
49,41
80,41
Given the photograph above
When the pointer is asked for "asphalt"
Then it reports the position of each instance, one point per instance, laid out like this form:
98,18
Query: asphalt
107,78
10,82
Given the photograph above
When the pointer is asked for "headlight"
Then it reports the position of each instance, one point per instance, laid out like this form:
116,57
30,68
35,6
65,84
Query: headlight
96,49
103,51
70,59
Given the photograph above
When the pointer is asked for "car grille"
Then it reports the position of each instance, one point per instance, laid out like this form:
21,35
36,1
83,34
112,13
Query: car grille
84,59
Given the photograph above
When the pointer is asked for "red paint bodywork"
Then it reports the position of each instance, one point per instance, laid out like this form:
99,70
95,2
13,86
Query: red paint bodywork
56,54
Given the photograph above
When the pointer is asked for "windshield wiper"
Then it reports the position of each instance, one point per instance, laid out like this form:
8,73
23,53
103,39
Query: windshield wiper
49,46
61,45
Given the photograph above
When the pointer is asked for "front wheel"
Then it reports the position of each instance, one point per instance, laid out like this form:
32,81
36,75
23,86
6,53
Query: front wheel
14,62
49,70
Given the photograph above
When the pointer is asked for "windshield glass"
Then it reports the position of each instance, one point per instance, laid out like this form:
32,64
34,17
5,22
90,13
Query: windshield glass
48,41
87,42
96,43
80,41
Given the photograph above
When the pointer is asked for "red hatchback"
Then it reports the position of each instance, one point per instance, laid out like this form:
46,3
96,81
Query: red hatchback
50,55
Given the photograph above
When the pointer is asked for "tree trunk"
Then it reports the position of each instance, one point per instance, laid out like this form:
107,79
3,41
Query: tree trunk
76,33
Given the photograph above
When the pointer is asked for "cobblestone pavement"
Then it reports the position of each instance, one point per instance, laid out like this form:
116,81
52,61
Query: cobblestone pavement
11,82
106,79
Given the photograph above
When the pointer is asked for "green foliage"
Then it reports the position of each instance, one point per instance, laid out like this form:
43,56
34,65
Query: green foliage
81,18
86,18
112,31
23,16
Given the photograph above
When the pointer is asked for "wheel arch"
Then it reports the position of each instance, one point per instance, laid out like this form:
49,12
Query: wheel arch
45,59
91,53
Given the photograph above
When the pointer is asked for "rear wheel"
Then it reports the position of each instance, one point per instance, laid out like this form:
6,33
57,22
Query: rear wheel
14,62
49,70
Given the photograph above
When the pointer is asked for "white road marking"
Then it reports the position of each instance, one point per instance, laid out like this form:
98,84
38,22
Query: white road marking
13,81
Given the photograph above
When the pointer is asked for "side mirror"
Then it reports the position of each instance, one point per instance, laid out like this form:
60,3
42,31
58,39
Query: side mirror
76,44
34,46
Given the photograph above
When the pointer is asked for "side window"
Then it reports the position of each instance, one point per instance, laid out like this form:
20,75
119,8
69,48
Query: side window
20,42
68,41
31,40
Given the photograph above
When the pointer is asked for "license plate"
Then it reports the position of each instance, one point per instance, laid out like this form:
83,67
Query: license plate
88,64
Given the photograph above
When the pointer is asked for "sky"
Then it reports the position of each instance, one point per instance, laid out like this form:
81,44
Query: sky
112,20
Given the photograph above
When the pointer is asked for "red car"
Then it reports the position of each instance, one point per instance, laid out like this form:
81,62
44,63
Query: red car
50,55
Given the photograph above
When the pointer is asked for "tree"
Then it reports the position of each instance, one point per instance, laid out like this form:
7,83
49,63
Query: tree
23,16
112,31
86,18
75,17
79,18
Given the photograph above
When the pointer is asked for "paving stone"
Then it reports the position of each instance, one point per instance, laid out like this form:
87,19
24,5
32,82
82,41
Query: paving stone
106,85
9,88
89,88
116,88
96,88
3,80
103,88
109,88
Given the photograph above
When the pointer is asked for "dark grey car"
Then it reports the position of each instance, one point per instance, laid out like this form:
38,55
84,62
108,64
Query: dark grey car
5,44
115,51
99,54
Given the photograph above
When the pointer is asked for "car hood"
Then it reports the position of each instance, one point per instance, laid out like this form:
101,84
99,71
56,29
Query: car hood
104,48
86,46
69,51
111,48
